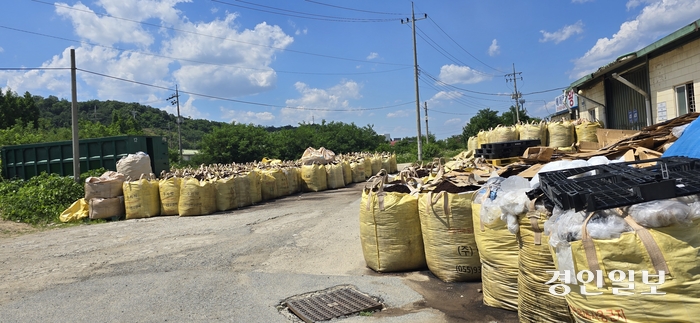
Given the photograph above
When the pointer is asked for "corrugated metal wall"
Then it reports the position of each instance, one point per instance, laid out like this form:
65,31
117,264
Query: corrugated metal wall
626,107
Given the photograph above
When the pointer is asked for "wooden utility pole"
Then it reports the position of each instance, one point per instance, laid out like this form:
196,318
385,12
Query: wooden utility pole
415,68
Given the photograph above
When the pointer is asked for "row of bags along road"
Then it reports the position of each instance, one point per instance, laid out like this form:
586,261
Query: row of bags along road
132,191
639,263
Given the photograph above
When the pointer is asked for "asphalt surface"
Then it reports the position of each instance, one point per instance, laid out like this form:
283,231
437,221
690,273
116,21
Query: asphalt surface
236,266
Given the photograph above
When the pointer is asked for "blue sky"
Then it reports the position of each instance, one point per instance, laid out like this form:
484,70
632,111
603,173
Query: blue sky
280,62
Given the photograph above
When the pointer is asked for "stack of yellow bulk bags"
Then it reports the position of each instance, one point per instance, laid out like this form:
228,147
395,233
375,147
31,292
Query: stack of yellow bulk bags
560,135
535,302
393,164
587,131
533,131
347,171
314,177
197,197
141,198
358,171
448,235
169,191
225,193
334,176
242,188
386,163
390,229
498,251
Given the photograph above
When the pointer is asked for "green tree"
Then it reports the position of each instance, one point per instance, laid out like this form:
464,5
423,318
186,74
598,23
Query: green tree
238,143
508,118
483,120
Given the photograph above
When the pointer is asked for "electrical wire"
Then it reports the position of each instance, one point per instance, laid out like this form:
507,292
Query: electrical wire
214,37
461,89
239,101
32,68
358,10
303,15
200,62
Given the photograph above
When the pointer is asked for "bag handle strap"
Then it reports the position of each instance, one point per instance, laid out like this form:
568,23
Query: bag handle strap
434,198
534,217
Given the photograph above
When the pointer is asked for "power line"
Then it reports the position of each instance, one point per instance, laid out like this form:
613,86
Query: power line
303,15
550,90
32,68
210,36
202,62
458,45
358,10
461,89
238,101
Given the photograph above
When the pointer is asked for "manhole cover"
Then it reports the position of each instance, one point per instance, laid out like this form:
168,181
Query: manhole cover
331,304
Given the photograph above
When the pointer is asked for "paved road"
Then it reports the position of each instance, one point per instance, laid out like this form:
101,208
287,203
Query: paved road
235,266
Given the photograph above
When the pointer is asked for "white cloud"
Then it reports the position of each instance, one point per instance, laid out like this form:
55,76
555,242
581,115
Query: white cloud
656,20
494,49
336,97
454,74
399,114
246,117
581,1
2,49
562,34
454,121
631,4
372,56
442,96
233,66
214,10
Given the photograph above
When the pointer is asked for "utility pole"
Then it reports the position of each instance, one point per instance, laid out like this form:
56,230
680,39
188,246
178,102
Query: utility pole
74,118
516,95
415,68
427,133
176,101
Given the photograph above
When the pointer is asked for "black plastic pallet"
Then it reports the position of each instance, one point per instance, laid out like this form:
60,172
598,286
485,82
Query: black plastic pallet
602,187
510,144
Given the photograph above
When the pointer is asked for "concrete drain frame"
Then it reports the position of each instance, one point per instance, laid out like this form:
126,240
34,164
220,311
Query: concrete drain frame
334,302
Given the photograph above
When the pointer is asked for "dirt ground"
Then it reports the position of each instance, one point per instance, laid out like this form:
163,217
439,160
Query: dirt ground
13,229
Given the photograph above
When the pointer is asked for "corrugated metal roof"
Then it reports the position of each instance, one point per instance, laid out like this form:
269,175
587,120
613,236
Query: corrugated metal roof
656,46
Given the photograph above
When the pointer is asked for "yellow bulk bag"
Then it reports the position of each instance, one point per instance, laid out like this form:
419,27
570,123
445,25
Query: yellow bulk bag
673,249
535,263
472,143
394,165
368,167
110,184
255,188
376,161
358,171
390,230
76,211
386,163
225,193
103,208
268,185
347,172
169,191
503,134
314,177
448,236
292,176
498,251
334,176
141,198
243,192
533,131
587,131
560,134
196,197
481,138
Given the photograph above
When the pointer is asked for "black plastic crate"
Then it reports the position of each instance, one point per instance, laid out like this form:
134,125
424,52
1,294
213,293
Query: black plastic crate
618,184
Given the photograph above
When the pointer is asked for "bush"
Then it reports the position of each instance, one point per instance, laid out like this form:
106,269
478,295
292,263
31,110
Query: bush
41,199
